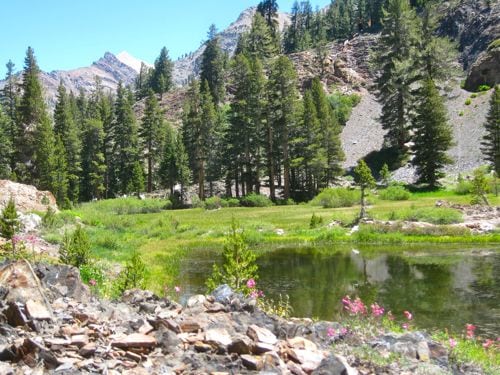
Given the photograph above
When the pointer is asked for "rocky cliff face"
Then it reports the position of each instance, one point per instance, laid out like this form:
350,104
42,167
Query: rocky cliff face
190,65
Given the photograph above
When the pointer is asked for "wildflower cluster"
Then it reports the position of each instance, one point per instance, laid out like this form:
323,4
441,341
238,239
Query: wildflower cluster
254,293
356,307
336,334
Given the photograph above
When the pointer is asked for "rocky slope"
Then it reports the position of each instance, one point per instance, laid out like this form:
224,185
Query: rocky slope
51,323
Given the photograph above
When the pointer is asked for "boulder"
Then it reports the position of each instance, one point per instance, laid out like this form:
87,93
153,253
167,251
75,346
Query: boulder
27,198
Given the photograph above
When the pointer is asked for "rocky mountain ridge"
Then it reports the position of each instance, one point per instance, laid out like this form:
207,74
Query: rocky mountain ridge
189,65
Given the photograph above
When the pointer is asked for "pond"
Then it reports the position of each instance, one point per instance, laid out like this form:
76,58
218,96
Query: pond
443,287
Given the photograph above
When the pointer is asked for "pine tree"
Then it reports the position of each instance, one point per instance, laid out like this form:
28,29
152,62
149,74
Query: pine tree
44,155
168,166
161,77
93,161
151,135
198,123
433,136
245,131
259,42
394,59
330,133
282,112
9,98
437,54
212,67
9,221
365,180
385,175
60,181
6,150
65,127
143,81
32,113
491,141
136,182
268,9
125,143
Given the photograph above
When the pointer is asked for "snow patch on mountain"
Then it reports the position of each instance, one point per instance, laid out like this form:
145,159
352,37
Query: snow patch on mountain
132,61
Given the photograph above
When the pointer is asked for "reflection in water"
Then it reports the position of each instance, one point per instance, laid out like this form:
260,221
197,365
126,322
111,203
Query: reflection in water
442,288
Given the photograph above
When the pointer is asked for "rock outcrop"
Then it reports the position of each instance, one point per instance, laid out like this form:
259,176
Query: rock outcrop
51,323
485,70
473,24
27,198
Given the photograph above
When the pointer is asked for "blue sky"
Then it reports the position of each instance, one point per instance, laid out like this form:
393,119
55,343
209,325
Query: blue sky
68,34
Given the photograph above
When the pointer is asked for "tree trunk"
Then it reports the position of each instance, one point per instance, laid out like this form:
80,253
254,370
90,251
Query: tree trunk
201,180
150,174
286,165
270,161
362,213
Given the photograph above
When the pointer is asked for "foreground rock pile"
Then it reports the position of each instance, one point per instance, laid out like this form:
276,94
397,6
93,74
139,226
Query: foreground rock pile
50,323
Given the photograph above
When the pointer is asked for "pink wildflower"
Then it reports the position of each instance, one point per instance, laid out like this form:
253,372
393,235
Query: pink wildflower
254,294
330,332
177,289
377,310
92,282
488,343
470,330
405,325
390,316
251,283
452,343
354,307
408,315
343,331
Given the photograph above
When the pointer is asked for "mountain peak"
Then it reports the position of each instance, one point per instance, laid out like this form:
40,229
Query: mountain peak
131,61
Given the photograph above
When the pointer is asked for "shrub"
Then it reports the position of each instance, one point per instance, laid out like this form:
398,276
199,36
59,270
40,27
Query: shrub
461,113
49,219
232,202
468,101
337,197
213,203
473,96
494,44
395,193
133,274
75,249
255,200
239,262
483,88
479,187
463,187
433,215
196,202
316,221
9,220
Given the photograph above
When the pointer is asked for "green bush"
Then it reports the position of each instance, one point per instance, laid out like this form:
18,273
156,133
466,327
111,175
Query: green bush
494,44
483,88
75,249
433,215
133,274
255,200
213,203
336,197
394,193
473,96
316,221
468,101
232,202
133,206
463,187
461,113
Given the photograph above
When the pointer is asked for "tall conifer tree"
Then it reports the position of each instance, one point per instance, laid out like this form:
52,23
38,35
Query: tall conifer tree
65,127
491,140
151,135
433,136
394,60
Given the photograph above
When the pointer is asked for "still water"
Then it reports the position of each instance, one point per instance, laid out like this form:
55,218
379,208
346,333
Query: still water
443,287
